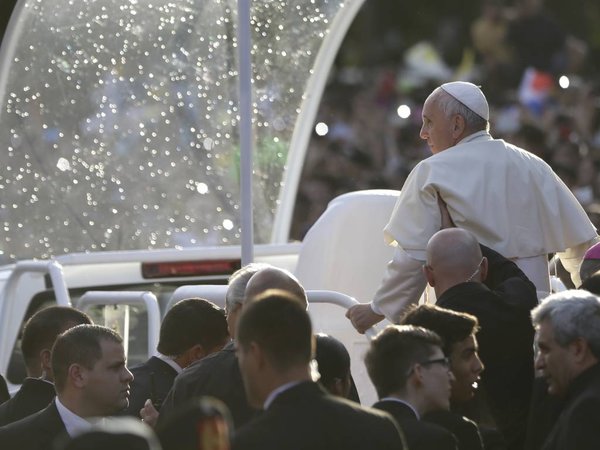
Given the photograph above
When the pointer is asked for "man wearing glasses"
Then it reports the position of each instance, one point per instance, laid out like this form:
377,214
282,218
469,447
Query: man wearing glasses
457,331
412,377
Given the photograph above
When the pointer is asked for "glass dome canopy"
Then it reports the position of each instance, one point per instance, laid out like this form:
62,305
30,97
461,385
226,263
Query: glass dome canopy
119,119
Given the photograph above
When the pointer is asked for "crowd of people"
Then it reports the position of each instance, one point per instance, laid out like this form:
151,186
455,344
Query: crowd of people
517,54
244,377
494,360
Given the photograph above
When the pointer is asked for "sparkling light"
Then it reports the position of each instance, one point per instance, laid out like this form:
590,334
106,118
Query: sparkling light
321,129
403,111
202,188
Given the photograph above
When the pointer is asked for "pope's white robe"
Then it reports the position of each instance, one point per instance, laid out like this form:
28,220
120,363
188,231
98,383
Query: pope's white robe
510,199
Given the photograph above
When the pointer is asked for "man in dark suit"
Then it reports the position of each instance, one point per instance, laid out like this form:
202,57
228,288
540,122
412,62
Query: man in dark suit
217,375
91,381
39,334
412,377
568,342
476,280
191,330
275,344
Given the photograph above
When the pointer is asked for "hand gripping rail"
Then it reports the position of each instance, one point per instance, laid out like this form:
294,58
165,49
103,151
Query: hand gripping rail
216,294
336,298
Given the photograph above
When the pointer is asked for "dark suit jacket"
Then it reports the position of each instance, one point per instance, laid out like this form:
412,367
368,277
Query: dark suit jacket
34,395
36,432
305,417
153,375
420,435
578,426
4,395
543,413
464,430
503,307
217,375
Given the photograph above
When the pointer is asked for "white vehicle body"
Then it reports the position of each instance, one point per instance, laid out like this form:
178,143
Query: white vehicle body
118,154
335,258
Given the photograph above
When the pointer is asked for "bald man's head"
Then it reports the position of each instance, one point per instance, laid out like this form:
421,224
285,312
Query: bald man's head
454,256
274,278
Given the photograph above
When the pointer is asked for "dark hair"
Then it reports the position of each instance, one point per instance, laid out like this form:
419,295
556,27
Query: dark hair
333,359
79,345
591,283
190,322
451,326
278,323
394,351
42,329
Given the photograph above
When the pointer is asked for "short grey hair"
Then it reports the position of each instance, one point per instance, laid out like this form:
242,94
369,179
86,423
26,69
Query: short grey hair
237,284
573,314
450,106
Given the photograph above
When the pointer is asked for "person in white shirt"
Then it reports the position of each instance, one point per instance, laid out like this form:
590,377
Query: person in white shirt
510,199
91,381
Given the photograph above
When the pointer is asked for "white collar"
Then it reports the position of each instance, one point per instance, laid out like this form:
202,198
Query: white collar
73,423
279,390
476,136
170,361
399,400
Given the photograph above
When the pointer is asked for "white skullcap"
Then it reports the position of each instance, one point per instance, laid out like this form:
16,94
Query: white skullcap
470,96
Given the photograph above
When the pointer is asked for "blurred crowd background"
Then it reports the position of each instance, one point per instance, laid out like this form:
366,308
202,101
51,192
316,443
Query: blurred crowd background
537,62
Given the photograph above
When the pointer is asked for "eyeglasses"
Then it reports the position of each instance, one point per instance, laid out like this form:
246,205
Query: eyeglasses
444,362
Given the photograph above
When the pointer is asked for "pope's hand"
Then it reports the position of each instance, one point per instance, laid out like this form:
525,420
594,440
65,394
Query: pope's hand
363,317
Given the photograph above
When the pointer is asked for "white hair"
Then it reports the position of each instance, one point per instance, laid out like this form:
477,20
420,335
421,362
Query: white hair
450,106
237,284
573,314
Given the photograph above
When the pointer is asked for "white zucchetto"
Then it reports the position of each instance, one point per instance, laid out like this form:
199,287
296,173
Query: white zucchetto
470,96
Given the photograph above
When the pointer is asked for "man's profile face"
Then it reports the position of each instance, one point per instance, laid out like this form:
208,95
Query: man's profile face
107,388
466,367
553,360
436,128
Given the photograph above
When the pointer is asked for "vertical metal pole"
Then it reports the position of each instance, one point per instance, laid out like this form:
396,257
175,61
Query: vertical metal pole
246,141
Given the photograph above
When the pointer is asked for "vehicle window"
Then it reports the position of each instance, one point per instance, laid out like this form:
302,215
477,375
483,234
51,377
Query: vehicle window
131,322
119,121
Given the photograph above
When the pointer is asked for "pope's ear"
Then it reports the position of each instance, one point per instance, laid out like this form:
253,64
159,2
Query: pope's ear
459,125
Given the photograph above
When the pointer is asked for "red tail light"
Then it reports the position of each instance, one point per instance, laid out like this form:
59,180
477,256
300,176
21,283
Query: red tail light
190,268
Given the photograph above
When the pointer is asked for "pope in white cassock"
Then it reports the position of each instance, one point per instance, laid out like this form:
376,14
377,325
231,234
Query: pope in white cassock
510,199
